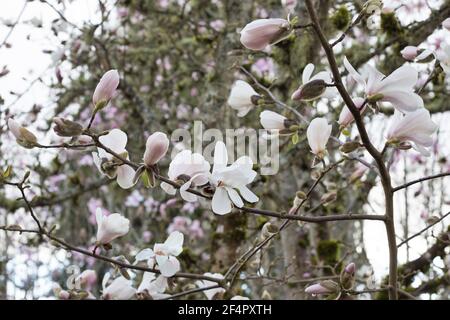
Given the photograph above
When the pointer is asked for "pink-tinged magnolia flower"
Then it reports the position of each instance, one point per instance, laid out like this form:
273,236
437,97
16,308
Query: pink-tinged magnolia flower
116,140
318,133
415,127
164,255
443,56
155,148
206,283
317,289
446,24
106,87
260,33
314,87
153,286
188,165
110,227
119,289
242,97
346,117
397,88
414,53
228,179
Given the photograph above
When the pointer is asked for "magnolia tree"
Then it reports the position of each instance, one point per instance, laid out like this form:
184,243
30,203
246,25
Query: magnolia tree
236,169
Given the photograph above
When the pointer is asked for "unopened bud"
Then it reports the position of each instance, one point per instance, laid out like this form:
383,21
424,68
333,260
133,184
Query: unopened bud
268,230
310,91
23,136
371,6
67,128
375,98
350,146
329,197
348,276
301,195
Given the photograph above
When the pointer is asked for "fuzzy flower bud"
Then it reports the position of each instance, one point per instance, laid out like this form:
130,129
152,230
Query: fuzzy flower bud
105,89
156,148
310,91
23,136
260,33
67,128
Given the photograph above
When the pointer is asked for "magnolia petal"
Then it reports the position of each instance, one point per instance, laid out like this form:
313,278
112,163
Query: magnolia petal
404,101
186,195
116,140
235,198
144,255
169,267
168,188
248,195
125,176
307,73
353,73
221,203
175,243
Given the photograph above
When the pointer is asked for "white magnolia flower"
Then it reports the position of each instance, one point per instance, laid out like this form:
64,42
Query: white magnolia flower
260,33
191,166
153,285
444,58
415,127
242,97
110,227
228,179
206,283
116,140
307,80
397,88
318,133
119,289
164,254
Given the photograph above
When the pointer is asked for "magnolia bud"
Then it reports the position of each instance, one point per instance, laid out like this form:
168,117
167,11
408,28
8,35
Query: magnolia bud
105,89
409,53
23,136
375,98
263,32
268,230
329,197
348,276
67,128
310,91
156,148
371,6
324,287
350,146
